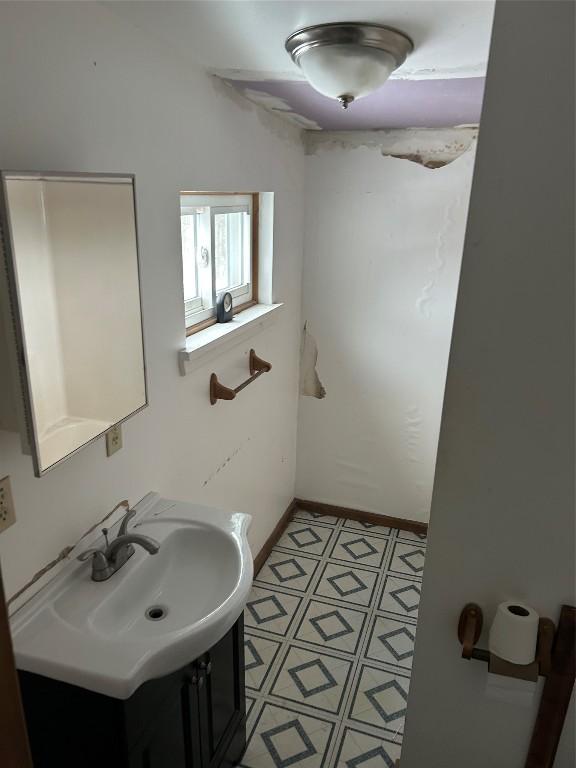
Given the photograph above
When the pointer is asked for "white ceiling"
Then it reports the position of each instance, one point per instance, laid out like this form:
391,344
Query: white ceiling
245,38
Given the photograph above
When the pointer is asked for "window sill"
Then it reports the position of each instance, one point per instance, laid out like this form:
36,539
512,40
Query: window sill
219,338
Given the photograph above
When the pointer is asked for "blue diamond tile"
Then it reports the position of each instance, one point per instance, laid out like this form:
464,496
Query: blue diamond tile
373,692
372,753
281,761
295,674
359,548
387,637
411,589
413,560
333,580
304,537
259,619
345,629
250,650
283,573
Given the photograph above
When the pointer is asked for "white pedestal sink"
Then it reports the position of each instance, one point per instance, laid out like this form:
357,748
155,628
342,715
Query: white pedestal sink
154,615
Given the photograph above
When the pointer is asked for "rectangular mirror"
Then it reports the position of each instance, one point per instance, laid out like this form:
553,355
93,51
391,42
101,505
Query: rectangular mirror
71,254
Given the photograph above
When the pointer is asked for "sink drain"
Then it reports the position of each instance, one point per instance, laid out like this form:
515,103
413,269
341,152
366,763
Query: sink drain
156,612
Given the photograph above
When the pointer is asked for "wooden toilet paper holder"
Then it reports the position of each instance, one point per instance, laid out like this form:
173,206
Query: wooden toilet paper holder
470,628
555,660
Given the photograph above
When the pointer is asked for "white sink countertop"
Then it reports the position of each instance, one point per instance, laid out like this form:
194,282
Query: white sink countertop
97,635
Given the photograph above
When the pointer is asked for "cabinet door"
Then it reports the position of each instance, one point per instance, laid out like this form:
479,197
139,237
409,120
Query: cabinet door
222,699
165,742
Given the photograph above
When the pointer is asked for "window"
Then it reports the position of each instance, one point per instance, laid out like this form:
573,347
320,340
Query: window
219,253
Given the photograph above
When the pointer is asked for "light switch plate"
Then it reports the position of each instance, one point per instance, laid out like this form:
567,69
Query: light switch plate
113,440
7,511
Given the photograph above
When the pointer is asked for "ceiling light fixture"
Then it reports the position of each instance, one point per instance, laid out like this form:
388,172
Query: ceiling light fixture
348,60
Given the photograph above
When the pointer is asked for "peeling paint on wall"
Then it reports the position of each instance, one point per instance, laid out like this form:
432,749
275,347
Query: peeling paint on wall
432,148
280,107
426,299
384,238
310,384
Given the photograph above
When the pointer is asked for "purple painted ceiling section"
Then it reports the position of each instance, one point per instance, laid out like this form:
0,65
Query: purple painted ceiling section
398,104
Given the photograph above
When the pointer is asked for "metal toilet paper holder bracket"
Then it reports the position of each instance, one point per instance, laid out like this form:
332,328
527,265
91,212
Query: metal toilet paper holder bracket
470,628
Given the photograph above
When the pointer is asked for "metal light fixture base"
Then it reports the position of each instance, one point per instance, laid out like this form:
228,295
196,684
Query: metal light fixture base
388,39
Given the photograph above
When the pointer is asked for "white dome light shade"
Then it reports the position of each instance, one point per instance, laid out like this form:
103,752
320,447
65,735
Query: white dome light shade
346,71
348,60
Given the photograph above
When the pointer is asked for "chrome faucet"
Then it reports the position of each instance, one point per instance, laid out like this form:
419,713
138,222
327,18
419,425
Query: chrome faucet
111,558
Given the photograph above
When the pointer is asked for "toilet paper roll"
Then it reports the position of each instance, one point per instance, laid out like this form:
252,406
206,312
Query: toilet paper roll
514,633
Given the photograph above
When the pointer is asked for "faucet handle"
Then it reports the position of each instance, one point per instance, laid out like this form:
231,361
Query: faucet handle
100,565
88,553
125,520
98,558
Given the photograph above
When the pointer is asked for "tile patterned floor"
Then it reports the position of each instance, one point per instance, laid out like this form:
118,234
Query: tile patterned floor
330,627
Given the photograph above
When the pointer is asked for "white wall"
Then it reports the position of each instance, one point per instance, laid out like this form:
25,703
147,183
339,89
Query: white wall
383,247
502,521
87,90
36,276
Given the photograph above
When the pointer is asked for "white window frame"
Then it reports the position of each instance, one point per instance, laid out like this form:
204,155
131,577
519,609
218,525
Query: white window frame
201,309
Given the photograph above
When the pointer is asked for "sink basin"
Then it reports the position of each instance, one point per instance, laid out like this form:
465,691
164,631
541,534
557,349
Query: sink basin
153,616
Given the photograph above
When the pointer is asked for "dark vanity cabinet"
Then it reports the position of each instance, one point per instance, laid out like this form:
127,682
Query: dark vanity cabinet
193,718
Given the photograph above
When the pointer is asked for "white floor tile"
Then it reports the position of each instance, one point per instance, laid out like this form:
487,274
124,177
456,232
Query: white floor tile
329,645
380,699
361,750
284,737
306,538
259,655
408,559
391,642
270,610
372,528
315,517
288,570
359,548
316,679
331,626
400,595
347,583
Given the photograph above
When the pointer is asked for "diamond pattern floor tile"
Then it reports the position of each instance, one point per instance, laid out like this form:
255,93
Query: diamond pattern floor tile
313,678
329,629
408,559
360,750
288,570
347,583
250,701
306,538
315,517
259,655
401,596
418,538
270,610
331,626
380,699
391,642
359,548
284,737
371,528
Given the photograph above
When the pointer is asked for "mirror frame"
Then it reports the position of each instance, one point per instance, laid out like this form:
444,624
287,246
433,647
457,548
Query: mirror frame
15,317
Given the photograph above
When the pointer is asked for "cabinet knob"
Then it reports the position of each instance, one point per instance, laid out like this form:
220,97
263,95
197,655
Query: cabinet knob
206,666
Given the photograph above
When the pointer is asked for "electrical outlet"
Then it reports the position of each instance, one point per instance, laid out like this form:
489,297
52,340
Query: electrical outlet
7,511
113,440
